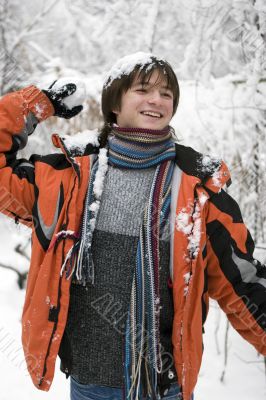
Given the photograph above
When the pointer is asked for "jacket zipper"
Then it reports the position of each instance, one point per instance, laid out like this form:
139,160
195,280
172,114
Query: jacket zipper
186,305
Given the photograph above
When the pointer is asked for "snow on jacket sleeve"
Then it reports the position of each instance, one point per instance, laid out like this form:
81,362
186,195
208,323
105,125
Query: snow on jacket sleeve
236,280
19,114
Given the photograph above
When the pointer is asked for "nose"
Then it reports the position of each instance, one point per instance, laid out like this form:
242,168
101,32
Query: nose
154,97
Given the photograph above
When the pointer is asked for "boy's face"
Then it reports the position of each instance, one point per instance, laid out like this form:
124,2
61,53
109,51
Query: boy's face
148,105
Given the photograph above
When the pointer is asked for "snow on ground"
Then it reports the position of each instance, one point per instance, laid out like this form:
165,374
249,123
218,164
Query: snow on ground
15,380
244,377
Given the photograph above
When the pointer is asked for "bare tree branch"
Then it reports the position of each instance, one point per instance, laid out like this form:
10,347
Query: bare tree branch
29,27
21,276
225,351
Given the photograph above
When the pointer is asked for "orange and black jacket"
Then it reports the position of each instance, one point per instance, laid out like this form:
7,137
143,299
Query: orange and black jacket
47,194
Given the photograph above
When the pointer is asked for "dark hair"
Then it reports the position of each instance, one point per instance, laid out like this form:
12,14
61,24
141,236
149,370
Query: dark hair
113,89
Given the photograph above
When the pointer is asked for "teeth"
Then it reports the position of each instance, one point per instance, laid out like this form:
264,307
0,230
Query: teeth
152,114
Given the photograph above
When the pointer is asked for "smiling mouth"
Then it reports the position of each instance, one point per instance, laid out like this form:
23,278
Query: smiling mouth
152,114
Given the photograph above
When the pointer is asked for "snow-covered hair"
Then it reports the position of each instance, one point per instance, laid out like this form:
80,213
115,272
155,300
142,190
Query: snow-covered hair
121,76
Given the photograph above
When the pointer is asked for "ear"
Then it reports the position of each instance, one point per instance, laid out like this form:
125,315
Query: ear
115,112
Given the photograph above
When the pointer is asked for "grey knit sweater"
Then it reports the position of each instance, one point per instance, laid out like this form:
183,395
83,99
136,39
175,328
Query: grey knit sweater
97,314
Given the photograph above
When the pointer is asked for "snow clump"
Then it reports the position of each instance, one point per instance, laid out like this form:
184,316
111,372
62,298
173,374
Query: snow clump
79,141
125,65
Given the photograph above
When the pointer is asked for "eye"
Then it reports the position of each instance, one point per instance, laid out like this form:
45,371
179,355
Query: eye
141,90
168,95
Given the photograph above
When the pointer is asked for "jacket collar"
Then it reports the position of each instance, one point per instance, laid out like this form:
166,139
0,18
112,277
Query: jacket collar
209,172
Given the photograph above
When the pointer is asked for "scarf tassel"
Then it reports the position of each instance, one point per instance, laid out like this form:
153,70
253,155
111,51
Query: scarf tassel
142,332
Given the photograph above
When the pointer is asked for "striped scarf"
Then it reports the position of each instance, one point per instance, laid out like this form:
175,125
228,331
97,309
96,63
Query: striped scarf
139,148
134,148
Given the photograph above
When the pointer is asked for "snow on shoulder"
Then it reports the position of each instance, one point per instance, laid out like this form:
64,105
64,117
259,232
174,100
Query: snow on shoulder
125,65
77,143
210,165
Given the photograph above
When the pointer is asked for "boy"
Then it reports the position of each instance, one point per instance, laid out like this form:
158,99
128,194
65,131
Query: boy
132,233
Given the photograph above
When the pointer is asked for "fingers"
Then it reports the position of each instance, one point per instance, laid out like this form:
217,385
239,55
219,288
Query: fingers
57,96
52,84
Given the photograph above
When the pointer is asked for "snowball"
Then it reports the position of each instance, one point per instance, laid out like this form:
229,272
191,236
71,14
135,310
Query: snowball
76,98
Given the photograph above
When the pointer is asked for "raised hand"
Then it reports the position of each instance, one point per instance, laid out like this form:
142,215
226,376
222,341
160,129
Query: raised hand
57,97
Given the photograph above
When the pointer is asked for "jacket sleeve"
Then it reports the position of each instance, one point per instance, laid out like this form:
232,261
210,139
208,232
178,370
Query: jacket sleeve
20,112
236,280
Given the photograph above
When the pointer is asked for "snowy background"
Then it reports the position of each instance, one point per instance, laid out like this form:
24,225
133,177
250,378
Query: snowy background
218,50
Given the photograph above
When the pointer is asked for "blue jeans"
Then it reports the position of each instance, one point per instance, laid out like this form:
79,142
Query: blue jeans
95,392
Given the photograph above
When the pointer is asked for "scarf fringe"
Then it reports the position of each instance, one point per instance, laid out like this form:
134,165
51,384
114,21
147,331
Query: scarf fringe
143,336
79,258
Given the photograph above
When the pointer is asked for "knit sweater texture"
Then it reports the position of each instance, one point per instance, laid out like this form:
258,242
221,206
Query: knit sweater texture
97,314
